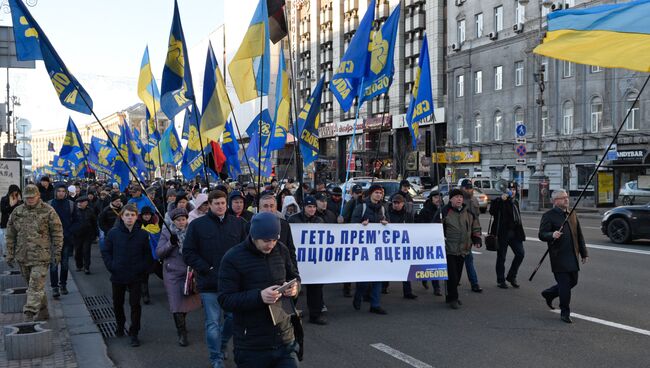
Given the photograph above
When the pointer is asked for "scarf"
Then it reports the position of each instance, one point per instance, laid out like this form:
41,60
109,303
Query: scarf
573,226
180,234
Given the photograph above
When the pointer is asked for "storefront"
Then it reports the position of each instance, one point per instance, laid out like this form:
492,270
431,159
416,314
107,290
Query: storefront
627,163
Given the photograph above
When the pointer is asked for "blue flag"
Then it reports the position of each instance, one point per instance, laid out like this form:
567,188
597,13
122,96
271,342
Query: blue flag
134,149
260,142
185,134
73,150
101,155
32,44
421,104
50,147
170,146
192,163
381,69
354,64
282,107
61,166
177,91
230,149
308,121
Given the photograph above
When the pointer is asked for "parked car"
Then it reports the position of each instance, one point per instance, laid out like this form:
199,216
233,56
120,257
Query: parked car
626,223
631,194
424,182
493,188
481,197
390,186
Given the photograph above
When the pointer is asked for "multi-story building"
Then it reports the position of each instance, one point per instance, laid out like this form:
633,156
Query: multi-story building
320,32
494,82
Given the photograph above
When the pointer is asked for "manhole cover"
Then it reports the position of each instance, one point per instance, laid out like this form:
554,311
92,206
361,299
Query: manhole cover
102,314
107,329
100,308
96,301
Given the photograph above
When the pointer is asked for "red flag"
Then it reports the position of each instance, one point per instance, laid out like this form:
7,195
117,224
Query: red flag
218,156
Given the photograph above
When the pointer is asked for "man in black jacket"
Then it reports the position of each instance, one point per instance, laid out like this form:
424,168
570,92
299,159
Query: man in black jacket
46,189
322,211
268,203
65,208
249,275
207,239
507,226
565,243
397,214
84,232
428,215
108,217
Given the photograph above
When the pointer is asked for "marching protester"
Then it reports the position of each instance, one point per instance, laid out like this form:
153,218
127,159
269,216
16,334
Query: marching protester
370,211
181,201
335,200
315,300
565,243
398,214
267,204
65,209
34,238
290,207
428,215
45,189
249,275
127,257
108,217
322,210
150,224
237,206
83,230
201,207
509,230
250,199
8,204
207,239
461,230
356,198
170,252
472,206
73,192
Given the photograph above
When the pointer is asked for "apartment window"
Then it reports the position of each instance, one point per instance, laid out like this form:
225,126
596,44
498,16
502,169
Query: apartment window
545,67
498,126
596,69
519,73
478,128
633,122
498,18
479,24
459,130
460,86
519,116
596,114
478,82
520,13
498,78
546,127
567,69
461,32
567,118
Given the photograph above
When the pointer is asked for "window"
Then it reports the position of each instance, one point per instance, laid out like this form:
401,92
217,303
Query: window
596,69
596,114
478,18
519,73
459,130
519,116
567,69
546,127
498,126
478,82
633,122
520,13
545,67
498,78
478,128
461,32
567,118
460,86
498,18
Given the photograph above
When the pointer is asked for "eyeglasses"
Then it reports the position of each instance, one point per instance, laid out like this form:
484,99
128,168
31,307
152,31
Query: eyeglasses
562,198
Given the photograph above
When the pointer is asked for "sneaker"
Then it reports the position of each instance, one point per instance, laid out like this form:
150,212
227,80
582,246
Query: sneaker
377,310
134,341
477,289
320,320
55,293
513,282
437,292
454,304
64,290
87,271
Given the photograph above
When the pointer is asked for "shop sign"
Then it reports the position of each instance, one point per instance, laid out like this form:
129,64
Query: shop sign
346,127
462,157
378,122
630,156
327,130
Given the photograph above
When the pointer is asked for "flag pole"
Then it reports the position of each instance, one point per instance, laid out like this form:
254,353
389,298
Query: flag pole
381,128
354,133
600,162
259,131
160,161
198,128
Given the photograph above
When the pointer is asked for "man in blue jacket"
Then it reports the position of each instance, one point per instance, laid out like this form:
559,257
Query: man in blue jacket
207,239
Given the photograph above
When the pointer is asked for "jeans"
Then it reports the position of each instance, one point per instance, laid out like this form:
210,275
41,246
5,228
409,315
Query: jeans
119,291
284,356
375,292
471,271
61,279
101,240
517,248
217,333
565,282
3,243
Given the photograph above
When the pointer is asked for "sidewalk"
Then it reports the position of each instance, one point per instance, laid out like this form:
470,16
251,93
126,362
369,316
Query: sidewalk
76,343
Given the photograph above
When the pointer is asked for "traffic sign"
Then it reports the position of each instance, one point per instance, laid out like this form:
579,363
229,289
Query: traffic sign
521,130
520,140
521,150
520,161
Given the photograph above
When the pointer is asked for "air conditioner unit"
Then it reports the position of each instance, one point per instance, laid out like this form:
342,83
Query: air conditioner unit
559,6
455,47
459,2
518,28
493,35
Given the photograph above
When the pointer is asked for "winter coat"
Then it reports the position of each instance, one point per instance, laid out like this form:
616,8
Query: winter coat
503,219
65,208
246,215
374,212
328,216
462,229
348,209
400,217
32,233
6,208
208,238
46,194
126,254
334,206
84,225
564,251
288,201
244,273
301,218
174,272
427,213
108,218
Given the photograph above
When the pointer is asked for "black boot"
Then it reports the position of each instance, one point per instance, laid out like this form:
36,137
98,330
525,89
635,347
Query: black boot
181,329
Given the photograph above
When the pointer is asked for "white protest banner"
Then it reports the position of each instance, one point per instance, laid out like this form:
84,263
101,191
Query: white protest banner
333,253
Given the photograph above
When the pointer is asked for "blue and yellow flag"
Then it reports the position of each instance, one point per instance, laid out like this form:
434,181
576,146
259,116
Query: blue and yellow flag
611,36
216,108
260,142
354,64
61,166
50,147
32,44
282,106
308,121
170,146
120,170
250,68
147,87
73,150
421,105
134,149
177,89
101,155
381,69
192,162
230,149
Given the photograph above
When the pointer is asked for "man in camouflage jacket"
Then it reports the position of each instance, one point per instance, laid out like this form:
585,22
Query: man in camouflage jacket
34,239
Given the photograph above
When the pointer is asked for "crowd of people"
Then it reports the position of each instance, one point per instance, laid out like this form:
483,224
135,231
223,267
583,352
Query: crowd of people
228,249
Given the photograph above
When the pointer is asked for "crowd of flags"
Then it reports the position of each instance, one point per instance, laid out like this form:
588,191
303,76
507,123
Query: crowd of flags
366,70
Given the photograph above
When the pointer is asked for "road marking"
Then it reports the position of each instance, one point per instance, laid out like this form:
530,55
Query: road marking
475,252
608,323
604,247
401,356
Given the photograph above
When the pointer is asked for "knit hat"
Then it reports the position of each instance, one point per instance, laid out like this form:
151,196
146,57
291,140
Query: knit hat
466,184
356,188
151,190
397,198
265,225
234,194
178,212
115,196
336,191
375,187
310,201
83,198
145,210
320,196
454,192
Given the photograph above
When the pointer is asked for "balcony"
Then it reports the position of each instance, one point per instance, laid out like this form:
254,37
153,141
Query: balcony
419,21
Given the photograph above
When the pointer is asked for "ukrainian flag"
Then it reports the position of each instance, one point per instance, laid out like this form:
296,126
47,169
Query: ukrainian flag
147,88
611,36
250,69
216,107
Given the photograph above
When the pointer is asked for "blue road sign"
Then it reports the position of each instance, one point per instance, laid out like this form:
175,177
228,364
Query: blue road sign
521,130
521,150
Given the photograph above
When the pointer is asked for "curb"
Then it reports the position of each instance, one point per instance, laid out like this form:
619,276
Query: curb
87,342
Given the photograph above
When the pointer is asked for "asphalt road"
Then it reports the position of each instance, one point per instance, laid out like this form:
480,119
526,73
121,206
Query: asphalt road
498,328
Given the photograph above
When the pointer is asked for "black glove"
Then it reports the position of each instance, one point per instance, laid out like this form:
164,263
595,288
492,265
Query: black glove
174,240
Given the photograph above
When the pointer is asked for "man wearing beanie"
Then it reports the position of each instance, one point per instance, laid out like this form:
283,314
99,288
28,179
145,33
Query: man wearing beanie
84,231
108,216
248,277
236,203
